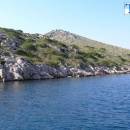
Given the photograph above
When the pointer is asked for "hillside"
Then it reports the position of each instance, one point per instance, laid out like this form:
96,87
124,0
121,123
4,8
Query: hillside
108,52
60,48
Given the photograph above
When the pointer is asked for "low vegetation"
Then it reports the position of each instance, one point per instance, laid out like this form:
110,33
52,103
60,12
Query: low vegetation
75,51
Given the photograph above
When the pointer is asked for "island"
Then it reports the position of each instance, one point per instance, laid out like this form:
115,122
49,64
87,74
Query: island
57,54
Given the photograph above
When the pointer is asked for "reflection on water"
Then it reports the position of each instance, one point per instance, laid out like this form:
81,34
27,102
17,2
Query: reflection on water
94,103
14,86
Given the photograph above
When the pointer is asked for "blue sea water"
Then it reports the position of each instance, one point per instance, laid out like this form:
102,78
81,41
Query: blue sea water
92,103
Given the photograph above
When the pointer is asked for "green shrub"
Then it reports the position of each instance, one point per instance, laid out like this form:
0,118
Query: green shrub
28,46
25,53
102,50
109,63
122,59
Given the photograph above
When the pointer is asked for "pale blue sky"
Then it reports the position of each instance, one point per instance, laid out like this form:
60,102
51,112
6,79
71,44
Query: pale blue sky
101,20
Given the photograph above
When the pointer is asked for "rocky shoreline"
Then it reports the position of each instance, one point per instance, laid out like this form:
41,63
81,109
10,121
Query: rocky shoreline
21,69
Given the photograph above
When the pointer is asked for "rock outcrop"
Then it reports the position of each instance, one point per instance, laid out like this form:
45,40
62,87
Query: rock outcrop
21,69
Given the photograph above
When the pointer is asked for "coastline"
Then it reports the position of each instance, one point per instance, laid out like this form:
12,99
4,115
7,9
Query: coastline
21,69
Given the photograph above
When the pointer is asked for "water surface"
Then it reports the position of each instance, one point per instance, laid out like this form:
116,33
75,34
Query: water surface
94,103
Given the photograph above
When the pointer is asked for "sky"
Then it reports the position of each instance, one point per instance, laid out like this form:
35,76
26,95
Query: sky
101,20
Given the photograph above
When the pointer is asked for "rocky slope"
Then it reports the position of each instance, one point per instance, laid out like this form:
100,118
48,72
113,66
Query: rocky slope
57,54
